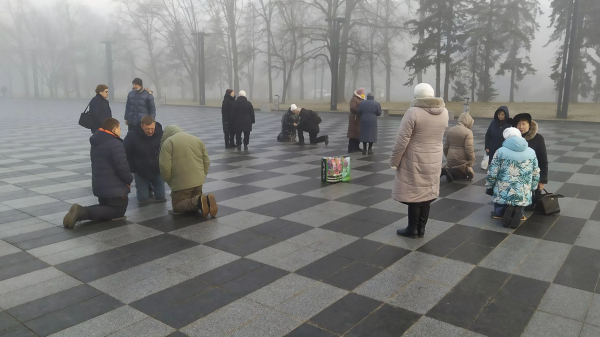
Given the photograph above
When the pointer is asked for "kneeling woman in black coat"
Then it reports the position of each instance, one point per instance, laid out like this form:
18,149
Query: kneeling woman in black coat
529,131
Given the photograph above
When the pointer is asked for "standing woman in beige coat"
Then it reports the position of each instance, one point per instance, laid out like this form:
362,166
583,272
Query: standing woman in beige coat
459,150
417,158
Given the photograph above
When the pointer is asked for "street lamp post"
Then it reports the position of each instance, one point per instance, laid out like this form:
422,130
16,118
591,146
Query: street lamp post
36,90
109,64
335,58
201,66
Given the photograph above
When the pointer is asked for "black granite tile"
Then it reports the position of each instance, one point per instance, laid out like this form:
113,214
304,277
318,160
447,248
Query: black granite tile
18,330
565,230
536,226
229,272
234,239
366,198
237,191
99,271
7,321
15,258
387,321
171,297
502,318
452,210
580,270
352,276
36,235
385,256
358,249
307,330
488,238
289,231
46,305
22,268
377,216
483,281
373,179
305,185
73,315
273,165
254,280
470,253
195,308
324,267
345,313
524,291
460,307
254,177
252,246
81,263
287,206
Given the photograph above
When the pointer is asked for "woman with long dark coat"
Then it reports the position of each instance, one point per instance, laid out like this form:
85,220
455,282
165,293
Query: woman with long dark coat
226,117
243,118
354,121
493,136
99,107
368,111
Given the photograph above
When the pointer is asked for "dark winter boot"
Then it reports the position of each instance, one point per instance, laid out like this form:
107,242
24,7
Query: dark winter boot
364,151
76,214
423,217
446,172
508,216
412,230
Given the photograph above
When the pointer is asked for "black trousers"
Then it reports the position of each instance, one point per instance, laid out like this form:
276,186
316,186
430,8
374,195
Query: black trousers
353,144
313,137
108,209
238,138
229,139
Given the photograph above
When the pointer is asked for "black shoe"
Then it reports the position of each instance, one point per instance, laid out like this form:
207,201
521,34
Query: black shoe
326,140
245,147
447,174
516,219
371,152
239,147
301,143
364,152
508,216
409,232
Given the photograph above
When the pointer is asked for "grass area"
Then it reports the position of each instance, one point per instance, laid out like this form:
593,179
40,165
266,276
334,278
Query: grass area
540,111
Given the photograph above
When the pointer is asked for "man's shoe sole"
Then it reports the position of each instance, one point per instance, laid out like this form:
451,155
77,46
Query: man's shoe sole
508,216
70,219
213,207
204,202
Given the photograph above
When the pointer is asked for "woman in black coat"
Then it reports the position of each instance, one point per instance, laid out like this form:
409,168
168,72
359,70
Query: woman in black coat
493,136
243,118
99,107
529,131
226,117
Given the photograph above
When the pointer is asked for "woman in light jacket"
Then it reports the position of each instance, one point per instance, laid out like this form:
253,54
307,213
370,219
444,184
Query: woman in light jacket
459,150
417,158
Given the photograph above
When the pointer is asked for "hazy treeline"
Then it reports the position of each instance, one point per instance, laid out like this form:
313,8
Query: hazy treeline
275,47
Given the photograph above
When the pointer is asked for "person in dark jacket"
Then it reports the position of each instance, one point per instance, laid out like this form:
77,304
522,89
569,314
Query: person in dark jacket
243,118
354,121
309,121
111,177
140,103
368,111
226,117
529,131
289,121
493,136
142,146
99,107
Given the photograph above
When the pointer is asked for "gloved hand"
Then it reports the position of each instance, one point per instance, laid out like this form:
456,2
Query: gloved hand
489,191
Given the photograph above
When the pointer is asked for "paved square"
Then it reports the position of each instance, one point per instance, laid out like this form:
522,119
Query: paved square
288,255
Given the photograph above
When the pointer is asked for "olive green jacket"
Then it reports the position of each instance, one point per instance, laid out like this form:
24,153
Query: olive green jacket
183,159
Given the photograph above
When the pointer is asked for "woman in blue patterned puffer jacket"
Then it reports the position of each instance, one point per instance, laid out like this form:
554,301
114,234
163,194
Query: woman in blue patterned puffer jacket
512,175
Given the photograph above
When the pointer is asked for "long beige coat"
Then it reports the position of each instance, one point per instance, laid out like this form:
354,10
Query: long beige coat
458,146
419,150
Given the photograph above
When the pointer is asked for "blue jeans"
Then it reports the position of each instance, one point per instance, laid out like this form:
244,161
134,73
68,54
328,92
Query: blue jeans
500,209
142,184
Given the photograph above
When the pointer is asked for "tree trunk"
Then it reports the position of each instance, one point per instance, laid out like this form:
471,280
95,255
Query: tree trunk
421,36
561,82
233,40
578,65
449,47
322,79
387,53
350,4
487,86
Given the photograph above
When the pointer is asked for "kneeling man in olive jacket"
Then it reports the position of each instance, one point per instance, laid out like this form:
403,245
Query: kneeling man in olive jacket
184,164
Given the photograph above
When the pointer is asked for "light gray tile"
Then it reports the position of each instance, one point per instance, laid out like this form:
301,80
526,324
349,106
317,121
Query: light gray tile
333,243
593,314
127,277
547,325
335,191
28,202
510,253
319,215
448,272
297,168
195,267
392,205
148,327
388,234
279,181
590,331
225,320
544,261
208,231
29,279
252,200
420,296
584,179
275,252
232,173
128,230
218,185
310,302
298,259
430,327
61,246
567,302
75,253
281,290
105,324
137,290
37,291
243,220
577,208
470,194
273,323
7,249
481,219
590,235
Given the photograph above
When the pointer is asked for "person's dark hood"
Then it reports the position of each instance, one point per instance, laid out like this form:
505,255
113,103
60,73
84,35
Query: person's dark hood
158,131
228,96
102,136
505,109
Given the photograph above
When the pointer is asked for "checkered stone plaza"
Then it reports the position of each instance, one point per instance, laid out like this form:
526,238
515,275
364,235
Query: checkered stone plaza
288,255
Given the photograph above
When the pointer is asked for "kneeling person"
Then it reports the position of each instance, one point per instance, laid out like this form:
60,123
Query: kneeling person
142,145
309,121
111,177
184,165
459,150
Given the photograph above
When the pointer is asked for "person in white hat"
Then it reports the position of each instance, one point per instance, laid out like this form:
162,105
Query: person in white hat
289,121
512,175
243,118
417,158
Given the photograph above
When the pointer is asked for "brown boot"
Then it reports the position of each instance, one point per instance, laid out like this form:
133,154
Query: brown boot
213,208
203,205
76,214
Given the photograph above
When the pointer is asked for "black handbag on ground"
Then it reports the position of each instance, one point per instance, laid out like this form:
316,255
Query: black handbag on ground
85,119
547,203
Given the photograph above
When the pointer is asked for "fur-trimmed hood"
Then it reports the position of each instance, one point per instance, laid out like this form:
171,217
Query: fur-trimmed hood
433,105
357,95
533,130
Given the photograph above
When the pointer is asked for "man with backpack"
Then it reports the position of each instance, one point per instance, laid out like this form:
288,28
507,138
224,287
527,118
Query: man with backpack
309,121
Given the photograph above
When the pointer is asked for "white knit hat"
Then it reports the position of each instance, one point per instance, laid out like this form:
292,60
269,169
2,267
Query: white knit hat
242,93
424,90
511,132
293,107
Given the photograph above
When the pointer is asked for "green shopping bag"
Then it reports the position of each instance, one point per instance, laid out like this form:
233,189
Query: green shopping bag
335,169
